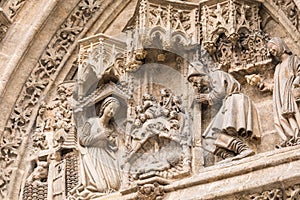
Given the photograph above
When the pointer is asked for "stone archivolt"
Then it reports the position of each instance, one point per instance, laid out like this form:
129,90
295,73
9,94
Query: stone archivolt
42,74
158,118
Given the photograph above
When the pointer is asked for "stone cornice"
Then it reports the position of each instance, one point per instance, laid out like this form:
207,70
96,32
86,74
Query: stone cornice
235,180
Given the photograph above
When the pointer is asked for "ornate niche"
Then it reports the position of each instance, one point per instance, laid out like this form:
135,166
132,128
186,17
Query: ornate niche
156,136
231,32
155,120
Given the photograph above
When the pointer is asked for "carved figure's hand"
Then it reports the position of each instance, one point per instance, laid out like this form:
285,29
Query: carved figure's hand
203,98
296,82
265,87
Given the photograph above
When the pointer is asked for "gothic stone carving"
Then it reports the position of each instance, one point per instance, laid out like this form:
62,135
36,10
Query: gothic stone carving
15,6
271,194
157,129
100,58
288,193
100,161
163,26
4,23
291,11
36,186
157,124
236,116
232,35
43,73
285,90
150,192
55,126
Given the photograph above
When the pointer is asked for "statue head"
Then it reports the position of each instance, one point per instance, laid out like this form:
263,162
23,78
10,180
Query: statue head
109,107
277,47
198,74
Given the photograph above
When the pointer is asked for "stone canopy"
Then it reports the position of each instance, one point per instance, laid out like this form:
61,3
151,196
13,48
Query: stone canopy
148,99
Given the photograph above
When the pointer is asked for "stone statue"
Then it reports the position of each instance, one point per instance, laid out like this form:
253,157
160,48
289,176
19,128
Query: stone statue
99,165
236,119
286,92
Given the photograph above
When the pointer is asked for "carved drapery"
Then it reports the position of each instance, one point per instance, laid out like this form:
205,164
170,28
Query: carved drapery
118,66
40,77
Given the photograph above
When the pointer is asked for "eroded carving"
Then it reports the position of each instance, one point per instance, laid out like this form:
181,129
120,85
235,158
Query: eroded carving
5,22
150,192
268,195
232,35
44,72
157,123
288,193
15,6
164,26
36,186
290,10
157,129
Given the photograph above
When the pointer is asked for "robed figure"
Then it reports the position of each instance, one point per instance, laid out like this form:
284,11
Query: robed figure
286,92
100,170
236,120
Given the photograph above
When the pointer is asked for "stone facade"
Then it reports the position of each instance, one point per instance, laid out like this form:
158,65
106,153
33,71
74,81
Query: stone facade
149,99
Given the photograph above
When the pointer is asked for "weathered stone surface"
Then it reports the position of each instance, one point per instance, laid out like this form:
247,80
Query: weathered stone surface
193,83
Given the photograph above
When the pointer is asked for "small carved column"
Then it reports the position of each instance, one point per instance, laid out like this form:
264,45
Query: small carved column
197,150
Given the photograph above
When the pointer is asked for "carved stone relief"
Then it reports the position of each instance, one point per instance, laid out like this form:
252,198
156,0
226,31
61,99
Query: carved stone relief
291,11
132,122
288,193
4,23
42,74
158,128
231,33
15,6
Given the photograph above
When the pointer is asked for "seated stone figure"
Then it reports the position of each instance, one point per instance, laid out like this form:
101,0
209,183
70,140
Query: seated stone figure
236,119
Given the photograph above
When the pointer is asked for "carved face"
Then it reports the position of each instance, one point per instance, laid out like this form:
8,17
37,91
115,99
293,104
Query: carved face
274,49
199,81
42,110
110,109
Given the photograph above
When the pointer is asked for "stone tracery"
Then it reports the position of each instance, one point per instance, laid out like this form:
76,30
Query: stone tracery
113,73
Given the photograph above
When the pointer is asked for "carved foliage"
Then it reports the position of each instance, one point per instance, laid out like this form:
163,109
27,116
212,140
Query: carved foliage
43,73
15,6
231,34
275,194
290,9
293,192
150,192
289,193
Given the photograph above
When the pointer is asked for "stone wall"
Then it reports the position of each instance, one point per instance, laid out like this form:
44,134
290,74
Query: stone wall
59,68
